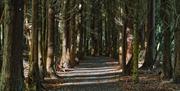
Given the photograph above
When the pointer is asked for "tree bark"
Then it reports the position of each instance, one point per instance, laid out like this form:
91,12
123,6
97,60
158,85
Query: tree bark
73,36
124,40
149,56
82,29
1,31
51,28
34,76
69,43
176,73
166,19
177,56
44,40
136,28
1,8
12,70
96,26
110,31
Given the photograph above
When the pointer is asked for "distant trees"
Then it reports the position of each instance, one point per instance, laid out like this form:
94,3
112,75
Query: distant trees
82,47
12,69
69,41
111,32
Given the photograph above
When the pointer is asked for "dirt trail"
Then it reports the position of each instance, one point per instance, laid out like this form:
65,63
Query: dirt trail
92,74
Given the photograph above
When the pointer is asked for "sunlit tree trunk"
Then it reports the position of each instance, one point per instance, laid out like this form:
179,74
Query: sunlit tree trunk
12,70
67,60
51,29
63,59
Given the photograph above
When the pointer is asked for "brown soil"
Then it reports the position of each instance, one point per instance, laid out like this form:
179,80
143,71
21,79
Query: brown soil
148,82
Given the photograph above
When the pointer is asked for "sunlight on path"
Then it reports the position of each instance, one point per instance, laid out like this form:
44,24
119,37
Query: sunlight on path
92,74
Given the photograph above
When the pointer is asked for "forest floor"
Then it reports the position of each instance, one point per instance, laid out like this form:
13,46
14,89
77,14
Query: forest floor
148,81
102,74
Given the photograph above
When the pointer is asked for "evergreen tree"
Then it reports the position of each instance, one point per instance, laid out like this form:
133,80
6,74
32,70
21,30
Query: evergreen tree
12,69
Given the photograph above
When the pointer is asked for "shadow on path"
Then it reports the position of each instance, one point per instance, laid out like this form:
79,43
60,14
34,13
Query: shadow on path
92,74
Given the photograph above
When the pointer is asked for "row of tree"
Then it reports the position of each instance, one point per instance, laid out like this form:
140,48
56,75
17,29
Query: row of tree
59,32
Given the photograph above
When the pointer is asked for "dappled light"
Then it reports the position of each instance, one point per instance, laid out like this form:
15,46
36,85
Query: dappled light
89,45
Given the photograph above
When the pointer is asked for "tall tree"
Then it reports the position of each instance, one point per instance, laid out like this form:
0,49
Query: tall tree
12,70
113,29
64,61
51,29
69,35
138,16
109,26
1,31
82,30
124,39
73,35
33,76
44,38
166,12
177,44
1,8
149,57
96,26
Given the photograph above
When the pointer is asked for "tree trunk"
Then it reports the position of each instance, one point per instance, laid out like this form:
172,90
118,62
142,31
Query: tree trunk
149,56
124,41
44,39
73,37
1,31
177,56
177,48
67,37
51,27
87,28
12,70
82,29
166,19
33,76
113,29
1,8
135,54
96,26
136,27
